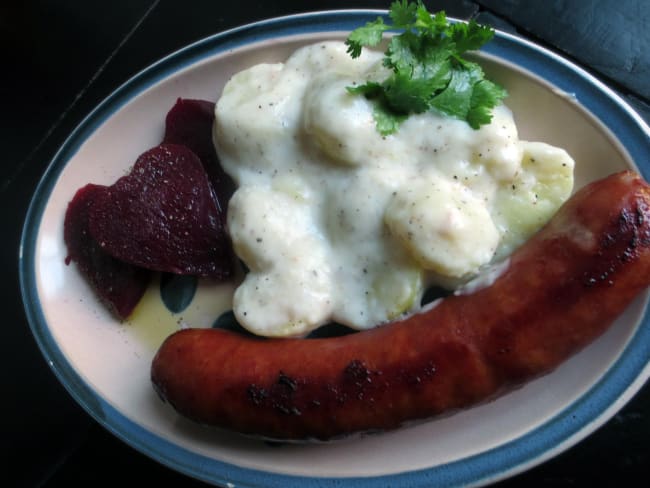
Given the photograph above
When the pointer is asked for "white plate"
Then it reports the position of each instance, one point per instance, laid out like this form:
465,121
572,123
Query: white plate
105,365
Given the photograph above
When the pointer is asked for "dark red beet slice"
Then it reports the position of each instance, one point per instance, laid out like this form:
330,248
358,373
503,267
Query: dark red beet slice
189,123
119,285
163,216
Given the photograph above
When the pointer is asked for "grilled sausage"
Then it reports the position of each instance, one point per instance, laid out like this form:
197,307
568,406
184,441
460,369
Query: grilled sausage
559,291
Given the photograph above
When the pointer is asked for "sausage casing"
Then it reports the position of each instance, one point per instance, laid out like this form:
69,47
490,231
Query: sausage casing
559,291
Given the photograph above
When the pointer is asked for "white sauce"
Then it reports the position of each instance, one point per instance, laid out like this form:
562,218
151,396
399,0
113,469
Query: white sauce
484,279
337,223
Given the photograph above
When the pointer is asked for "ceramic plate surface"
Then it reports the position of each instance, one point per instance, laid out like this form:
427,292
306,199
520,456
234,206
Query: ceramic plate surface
105,364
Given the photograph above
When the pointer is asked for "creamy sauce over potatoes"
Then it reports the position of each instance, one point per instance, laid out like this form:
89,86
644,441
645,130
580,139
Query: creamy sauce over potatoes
338,223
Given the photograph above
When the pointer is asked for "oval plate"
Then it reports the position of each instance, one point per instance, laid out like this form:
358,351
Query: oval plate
105,365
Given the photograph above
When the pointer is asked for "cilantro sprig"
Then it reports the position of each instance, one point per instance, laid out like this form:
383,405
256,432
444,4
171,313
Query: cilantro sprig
428,70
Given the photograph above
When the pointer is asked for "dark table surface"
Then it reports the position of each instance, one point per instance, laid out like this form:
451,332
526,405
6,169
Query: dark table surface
61,58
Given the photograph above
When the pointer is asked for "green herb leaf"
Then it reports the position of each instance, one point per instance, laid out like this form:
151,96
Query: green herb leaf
455,99
369,90
484,96
369,35
470,36
403,13
405,94
428,71
387,121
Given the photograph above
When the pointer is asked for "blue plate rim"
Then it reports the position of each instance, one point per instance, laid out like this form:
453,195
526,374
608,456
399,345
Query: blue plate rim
596,406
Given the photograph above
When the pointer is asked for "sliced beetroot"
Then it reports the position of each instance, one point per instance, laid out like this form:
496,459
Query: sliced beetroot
118,284
189,123
163,216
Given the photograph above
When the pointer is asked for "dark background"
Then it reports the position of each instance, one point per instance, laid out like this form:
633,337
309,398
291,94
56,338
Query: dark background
61,58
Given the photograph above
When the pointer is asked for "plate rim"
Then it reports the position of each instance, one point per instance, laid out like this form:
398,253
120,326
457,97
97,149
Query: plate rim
604,398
